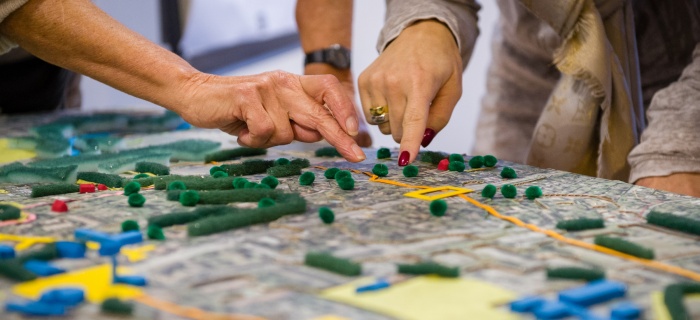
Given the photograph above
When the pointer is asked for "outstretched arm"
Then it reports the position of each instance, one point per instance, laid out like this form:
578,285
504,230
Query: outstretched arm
263,110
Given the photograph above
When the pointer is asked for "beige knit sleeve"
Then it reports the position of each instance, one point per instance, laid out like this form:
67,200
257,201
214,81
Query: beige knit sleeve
671,142
7,7
459,15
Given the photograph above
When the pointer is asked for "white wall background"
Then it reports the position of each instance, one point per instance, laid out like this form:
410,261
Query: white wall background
142,16
221,23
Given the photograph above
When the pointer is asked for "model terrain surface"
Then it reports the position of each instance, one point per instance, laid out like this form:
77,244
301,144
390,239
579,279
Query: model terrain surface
140,216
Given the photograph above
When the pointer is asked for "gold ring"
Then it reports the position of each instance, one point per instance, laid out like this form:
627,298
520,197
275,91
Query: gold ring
379,119
378,110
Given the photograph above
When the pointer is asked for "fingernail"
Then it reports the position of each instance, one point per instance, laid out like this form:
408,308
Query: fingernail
403,158
358,152
428,136
351,124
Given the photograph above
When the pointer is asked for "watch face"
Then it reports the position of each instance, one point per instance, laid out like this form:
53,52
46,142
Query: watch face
339,58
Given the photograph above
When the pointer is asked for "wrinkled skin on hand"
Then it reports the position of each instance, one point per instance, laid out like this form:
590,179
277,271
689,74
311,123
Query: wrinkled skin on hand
274,108
363,138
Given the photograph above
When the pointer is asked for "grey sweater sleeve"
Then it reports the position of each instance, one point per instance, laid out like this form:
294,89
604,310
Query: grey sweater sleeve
459,15
7,7
671,142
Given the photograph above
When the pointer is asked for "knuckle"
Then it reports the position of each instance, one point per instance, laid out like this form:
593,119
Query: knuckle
376,79
263,130
276,74
393,80
319,115
284,83
286,137
328,80
247,92
363,79
283,78
267,79
418,68
243,143
272,80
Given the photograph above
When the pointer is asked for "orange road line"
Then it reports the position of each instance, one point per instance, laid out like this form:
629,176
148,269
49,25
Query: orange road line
555,235
582,244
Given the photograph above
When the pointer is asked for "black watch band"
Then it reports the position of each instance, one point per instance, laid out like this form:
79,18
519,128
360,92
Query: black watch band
336,55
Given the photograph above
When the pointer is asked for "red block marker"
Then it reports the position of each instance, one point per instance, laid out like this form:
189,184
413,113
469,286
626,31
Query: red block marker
87,188
444,163
59,206
101,187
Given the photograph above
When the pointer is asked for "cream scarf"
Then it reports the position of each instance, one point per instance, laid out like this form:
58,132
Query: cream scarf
594,116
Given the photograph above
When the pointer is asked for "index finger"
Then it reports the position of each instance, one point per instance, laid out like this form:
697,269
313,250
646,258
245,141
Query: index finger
415,118
316,117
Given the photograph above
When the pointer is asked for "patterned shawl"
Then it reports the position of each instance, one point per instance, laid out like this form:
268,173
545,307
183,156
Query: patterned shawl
594,116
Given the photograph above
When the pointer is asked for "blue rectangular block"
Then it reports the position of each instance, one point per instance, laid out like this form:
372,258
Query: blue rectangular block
582,313
37,309
380,284
594,292
6,252
66,296
70,249
552,310
42,268
527,304
109,244
129,237
625,311
109,248
91,235
131,280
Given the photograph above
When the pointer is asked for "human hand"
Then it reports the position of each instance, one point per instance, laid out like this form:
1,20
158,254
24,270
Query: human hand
686,183
363,138
419,76
274,108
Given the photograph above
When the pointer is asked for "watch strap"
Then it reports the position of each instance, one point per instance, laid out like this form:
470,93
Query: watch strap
336,56
316,56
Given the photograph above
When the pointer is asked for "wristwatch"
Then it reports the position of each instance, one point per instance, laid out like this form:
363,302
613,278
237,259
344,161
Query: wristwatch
336,55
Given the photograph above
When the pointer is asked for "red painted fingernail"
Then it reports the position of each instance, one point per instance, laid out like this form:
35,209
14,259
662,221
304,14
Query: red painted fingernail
403,158
428,136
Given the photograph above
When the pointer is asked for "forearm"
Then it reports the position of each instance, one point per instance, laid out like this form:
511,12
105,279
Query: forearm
78,36
671,142
6,8
323,23
668,157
